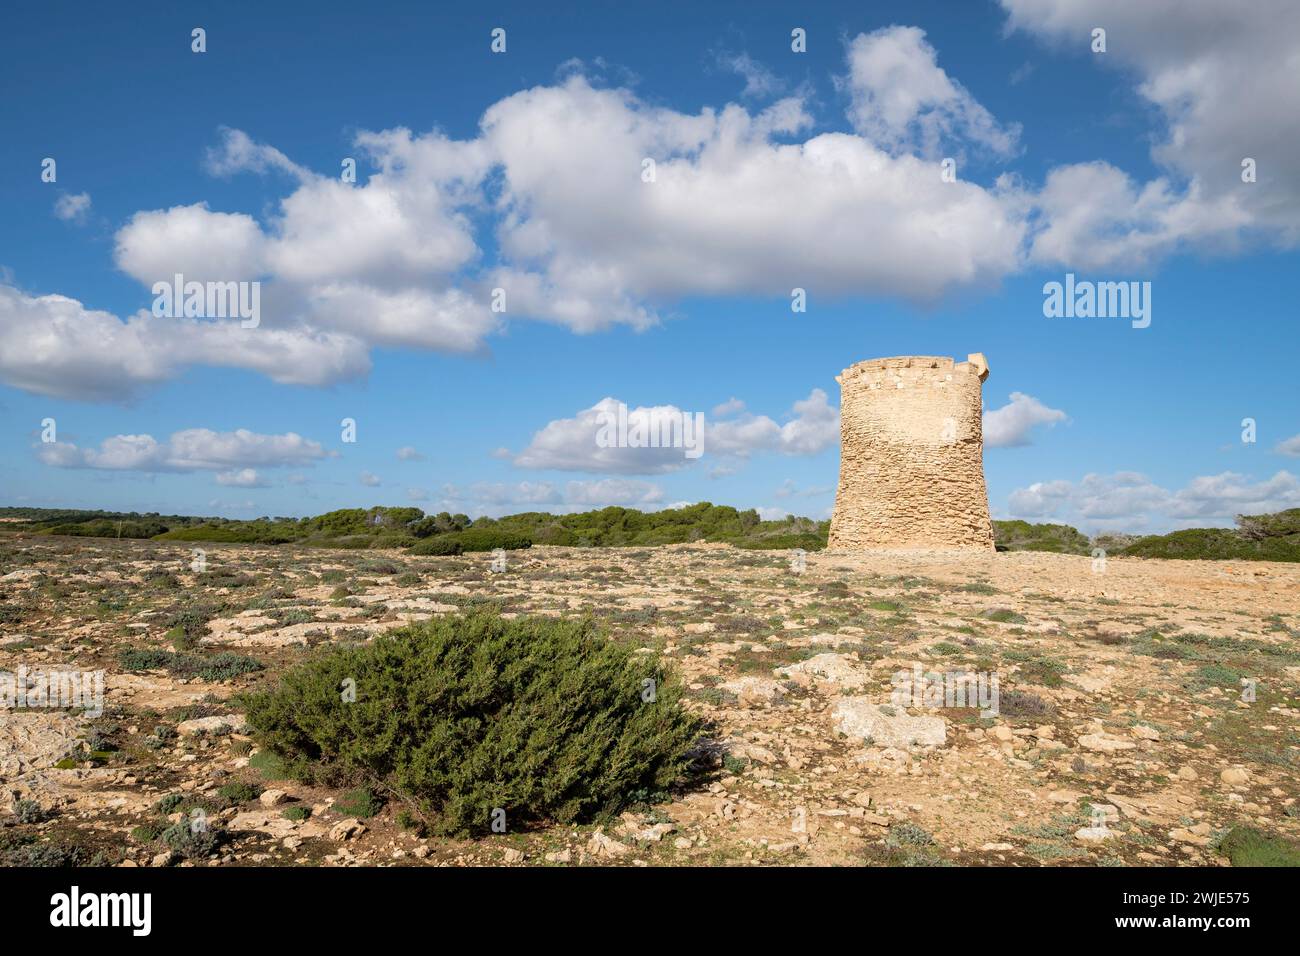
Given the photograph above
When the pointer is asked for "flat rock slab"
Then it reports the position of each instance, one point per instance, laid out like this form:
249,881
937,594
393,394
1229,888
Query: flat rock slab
1104,743
887,726
36,740
31,743
754,690
273,823
155,691
212,726
837,669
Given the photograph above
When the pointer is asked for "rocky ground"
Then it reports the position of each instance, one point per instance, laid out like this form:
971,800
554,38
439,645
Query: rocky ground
1145,707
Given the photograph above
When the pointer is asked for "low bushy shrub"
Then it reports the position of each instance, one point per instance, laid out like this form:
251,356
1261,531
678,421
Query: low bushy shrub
1217,544
191,842
1023,536
441,546
269,765
489,539
236,792
808,541
1246,846
361,802
475,539
1281,524
543,718
29,811
218,667
145,659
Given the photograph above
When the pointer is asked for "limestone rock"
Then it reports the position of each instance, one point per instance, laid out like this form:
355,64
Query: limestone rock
211,726
1093,834
22,574
754,690
886,726
1198,835
602,846
830,668
653,834
1103,743
1235,776
347,829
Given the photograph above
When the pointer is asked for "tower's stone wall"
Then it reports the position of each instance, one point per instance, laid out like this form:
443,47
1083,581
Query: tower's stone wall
912,456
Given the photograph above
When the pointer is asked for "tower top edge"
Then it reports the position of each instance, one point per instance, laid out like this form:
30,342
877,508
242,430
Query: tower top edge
975,362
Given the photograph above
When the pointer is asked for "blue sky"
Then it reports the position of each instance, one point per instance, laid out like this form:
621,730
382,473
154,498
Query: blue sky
522,171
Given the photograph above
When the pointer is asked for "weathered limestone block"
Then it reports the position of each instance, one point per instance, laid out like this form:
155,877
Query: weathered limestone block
886,726
912,456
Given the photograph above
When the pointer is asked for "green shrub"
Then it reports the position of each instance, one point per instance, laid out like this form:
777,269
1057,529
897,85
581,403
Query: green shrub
161,577
190,842
810,541
1019,703
1023,536
181,640
296,813
105,528
362,802
219,667
29,811
270,766
1280,524
169,804
1046,671
489,539
23,850
441,546
145,659
1218,544
146,833
1003,615
475,539
734,765
192,620
1246,846
242,532
235,793
908,834
461,715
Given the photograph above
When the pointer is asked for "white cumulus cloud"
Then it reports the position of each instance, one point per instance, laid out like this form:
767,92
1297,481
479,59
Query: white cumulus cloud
903,100
232,453
72,207
1010,425
1131,501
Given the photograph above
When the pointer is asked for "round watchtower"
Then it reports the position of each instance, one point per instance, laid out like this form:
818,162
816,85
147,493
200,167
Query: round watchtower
912,456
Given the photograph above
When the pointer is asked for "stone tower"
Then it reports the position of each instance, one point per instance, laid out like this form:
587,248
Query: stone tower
912,456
